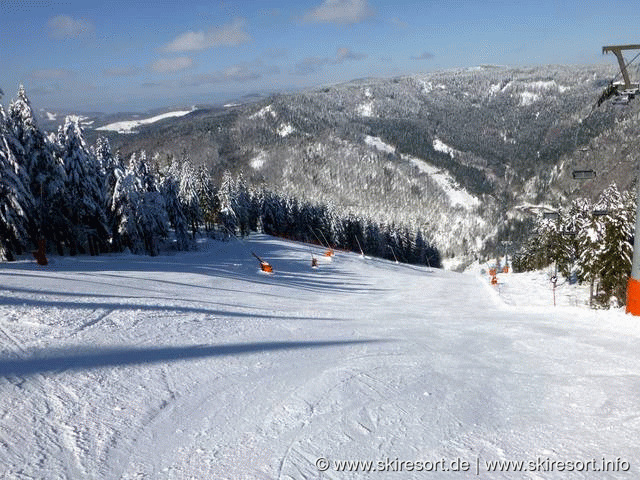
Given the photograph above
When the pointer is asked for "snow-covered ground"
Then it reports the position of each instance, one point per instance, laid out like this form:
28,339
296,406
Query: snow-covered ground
197,365
458,195
379,144
128,126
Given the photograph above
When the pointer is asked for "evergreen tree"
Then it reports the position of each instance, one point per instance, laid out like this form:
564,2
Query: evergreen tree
111,168
241,205
169,188
227,216
616,250
35,153
188,194
139,208
206,197
84,190
16,202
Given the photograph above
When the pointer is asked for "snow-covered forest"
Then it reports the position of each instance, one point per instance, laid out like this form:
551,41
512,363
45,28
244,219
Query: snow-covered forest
82,198
588,242
455,154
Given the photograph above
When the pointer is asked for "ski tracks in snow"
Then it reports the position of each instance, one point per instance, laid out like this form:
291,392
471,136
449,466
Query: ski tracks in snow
358,360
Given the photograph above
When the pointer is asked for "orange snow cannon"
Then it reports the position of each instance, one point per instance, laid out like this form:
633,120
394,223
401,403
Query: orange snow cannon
329,253
493,272
494,280
264,266
505,269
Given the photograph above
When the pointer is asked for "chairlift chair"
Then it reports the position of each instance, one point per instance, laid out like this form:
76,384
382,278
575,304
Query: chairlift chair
587,174
584,172
550,215
600,213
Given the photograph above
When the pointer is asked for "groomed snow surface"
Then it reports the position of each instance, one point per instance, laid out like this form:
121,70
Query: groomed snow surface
197,365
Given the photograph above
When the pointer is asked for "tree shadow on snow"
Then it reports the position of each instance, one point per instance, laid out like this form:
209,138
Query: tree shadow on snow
228,260
61,360
158,307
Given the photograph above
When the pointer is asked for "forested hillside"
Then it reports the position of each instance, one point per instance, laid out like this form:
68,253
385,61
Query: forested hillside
461,155
58,192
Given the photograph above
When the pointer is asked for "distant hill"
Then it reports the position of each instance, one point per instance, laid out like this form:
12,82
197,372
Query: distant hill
464,153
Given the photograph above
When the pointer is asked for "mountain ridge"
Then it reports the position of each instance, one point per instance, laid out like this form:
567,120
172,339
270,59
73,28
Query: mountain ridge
505,135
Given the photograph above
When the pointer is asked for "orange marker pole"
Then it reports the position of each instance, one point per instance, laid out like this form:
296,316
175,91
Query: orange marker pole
633,285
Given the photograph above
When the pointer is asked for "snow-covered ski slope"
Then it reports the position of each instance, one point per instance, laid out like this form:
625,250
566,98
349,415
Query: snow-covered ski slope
197,365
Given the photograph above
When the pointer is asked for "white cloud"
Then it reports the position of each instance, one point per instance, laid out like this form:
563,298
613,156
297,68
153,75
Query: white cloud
64,26
128,71
233,74
52,74
345,53
276,53
340,11
424,56
401,24
229,35
313,64
170,65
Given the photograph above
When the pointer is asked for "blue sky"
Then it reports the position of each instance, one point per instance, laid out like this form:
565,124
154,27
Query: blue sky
126,55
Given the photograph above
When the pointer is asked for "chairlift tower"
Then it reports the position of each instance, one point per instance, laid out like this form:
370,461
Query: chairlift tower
630,91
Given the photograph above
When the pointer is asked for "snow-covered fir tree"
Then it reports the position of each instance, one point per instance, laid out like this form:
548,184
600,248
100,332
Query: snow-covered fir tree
617,249
84,189
226,199
111,168
16,201
188,194
141,217
207,197
170,190
35,153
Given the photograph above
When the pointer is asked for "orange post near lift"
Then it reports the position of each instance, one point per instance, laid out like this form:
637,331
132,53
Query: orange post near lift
633,297
633,284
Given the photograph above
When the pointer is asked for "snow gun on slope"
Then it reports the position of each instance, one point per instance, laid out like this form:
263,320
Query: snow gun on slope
264,266
329,252
314,260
